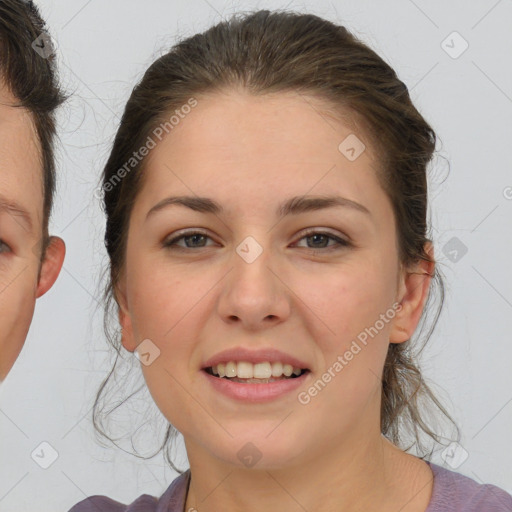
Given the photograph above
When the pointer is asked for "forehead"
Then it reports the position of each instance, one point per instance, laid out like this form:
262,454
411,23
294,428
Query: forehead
291,123
254,150
21,175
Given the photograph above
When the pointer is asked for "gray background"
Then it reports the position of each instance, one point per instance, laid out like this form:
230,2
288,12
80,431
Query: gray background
103,49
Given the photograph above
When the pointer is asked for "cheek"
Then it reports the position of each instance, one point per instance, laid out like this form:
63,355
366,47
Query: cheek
346,299
352,308
17,302
162,303
157,301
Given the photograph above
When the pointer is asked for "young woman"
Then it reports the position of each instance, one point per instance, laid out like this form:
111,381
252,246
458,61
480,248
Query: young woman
266,201
30,259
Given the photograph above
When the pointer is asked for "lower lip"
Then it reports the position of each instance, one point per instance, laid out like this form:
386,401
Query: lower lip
255,393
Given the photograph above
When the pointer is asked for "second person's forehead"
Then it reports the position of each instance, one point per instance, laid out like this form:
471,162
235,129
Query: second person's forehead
21,169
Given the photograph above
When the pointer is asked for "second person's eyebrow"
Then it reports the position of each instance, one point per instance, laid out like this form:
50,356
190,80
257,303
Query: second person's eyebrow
293,206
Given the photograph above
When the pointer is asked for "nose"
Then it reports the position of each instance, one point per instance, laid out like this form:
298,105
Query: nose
254,292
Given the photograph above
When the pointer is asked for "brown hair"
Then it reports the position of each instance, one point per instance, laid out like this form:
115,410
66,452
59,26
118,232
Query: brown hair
32,79
266,52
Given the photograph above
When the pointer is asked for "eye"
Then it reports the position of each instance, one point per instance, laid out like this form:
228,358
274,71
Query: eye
4,247
193,235
199,237
316,236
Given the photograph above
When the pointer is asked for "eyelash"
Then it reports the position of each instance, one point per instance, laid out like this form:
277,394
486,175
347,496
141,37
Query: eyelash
341,243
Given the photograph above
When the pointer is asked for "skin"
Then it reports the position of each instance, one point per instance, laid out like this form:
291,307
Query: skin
250,154
25,274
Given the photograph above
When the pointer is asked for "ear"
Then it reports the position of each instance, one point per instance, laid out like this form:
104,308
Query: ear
51,265
413,292
125,320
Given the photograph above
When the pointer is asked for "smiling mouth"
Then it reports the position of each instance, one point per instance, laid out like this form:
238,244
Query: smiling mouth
256,380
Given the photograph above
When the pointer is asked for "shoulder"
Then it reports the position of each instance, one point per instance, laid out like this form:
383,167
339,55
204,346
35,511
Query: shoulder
105,504
454,492
172,500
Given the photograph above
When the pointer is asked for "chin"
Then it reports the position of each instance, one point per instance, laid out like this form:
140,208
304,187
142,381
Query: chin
260,452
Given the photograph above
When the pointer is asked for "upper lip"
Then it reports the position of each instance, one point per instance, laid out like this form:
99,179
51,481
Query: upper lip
254,356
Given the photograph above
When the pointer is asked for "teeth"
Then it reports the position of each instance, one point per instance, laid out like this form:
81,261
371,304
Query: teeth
246,370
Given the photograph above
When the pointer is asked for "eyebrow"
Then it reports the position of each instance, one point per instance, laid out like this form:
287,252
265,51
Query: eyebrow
293,206
15,210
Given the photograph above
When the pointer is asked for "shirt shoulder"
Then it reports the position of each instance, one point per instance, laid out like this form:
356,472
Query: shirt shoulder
172,500
454,492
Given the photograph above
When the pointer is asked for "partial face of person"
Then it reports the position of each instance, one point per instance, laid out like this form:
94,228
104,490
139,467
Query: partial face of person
309,283
24,275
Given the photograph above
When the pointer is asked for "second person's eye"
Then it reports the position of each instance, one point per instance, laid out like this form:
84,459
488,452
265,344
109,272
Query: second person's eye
4,247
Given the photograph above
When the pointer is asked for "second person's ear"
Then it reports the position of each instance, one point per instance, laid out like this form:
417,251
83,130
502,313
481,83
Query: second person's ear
51,265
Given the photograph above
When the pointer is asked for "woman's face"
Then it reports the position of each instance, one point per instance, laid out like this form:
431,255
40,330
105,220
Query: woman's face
305,295
23,277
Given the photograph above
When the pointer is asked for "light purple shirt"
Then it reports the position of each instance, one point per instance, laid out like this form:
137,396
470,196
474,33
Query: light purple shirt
452,492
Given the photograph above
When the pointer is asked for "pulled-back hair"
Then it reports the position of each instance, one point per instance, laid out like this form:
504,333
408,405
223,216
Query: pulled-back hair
269,52
32,78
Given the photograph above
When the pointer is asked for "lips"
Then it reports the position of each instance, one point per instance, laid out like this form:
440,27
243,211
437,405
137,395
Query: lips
269,354
252,393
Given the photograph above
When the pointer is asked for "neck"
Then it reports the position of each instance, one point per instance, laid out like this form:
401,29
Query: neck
375,475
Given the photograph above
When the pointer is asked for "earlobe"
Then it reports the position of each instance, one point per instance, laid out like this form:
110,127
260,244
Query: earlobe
413,293
51,265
